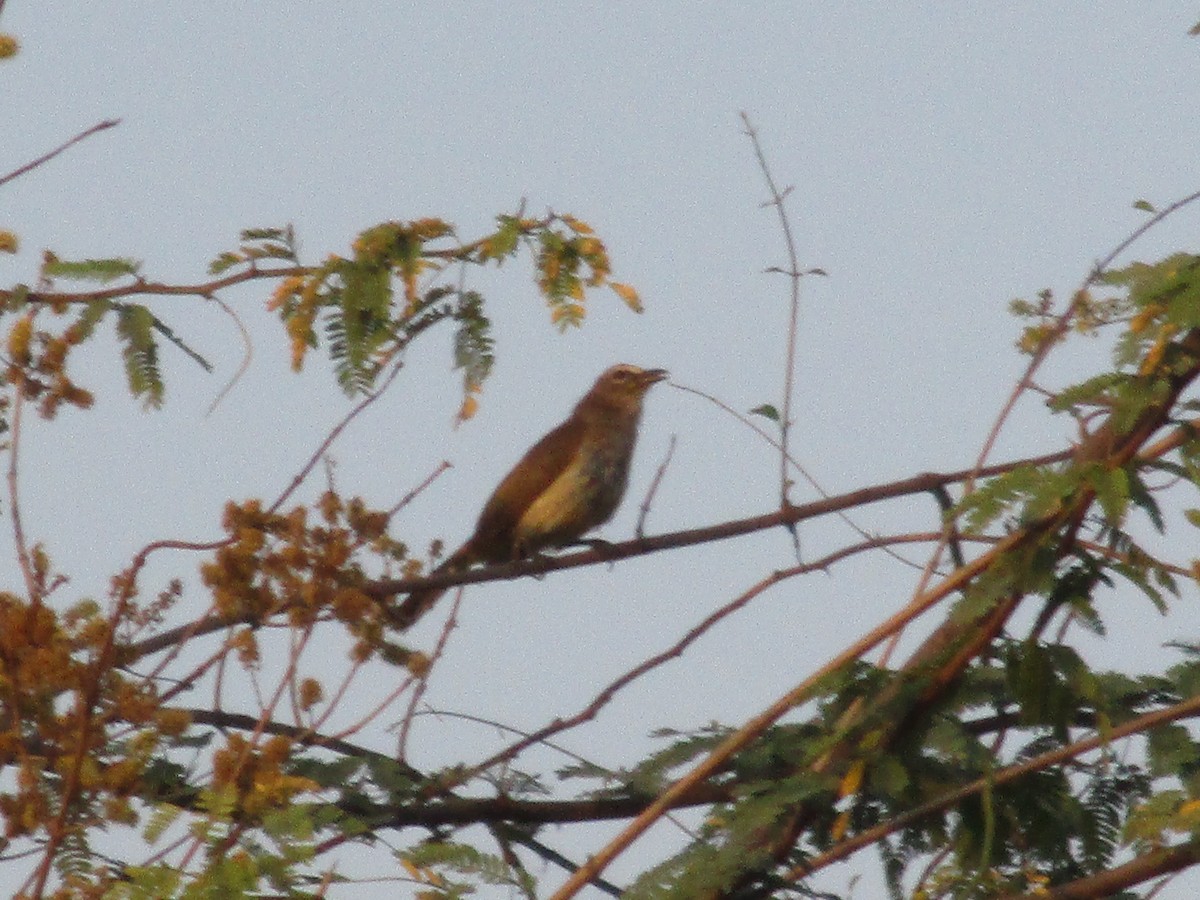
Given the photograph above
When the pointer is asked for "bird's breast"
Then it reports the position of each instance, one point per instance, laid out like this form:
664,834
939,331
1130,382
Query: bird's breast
583,496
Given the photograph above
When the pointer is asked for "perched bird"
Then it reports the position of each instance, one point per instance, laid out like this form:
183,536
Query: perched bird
569,482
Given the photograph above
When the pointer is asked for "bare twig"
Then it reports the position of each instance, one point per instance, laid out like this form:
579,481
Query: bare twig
14,502
510,729
46,157
420,488
804,473
334,434
676,650
247,357
640,530
423,681
794,275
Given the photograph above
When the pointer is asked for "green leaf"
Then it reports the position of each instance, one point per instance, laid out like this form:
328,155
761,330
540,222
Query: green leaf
767,411
1144,206
473,341
1170,749
224,262
164,816
135,324
1141,497
264,234
1096,391
101,270
1112,490
90,317
359,324
17,296
504,241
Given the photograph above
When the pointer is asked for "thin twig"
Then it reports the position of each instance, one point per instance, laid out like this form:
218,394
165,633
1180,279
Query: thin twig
804,473
1063,323
605,696
640,531
500,726
794,275
14,502
334,434
247,357
419,489
423,681
83,135
558,748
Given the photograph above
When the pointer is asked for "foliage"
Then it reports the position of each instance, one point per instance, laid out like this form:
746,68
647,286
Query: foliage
994,760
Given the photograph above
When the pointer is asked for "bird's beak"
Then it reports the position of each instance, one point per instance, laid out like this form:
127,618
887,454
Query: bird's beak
653,376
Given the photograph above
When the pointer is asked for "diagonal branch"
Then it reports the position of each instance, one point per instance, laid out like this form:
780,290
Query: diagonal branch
46,157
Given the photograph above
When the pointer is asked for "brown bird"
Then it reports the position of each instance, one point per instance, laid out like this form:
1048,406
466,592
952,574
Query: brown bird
569,482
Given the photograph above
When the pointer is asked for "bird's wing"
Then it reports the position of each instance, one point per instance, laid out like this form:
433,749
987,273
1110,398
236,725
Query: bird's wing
529,478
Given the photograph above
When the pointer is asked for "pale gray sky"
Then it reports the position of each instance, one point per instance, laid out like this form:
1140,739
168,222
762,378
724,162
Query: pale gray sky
945,158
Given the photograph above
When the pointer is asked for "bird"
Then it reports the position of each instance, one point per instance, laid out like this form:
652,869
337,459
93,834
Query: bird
568,483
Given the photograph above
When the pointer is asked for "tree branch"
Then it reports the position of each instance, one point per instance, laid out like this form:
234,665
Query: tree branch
46,157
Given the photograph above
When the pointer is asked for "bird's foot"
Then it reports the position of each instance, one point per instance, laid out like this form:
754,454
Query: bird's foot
536,557
593,543
601,546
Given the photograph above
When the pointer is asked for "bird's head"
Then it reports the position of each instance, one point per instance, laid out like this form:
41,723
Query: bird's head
622,387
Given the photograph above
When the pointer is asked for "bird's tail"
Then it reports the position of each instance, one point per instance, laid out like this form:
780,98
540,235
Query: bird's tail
421,601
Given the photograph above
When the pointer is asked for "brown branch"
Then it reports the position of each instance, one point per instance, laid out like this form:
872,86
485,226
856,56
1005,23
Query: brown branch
141,287
419,489
940,660
846,848
46,157
388,588
1112,881
300,734
916,484
1063,323
750,731
474,811
605,696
